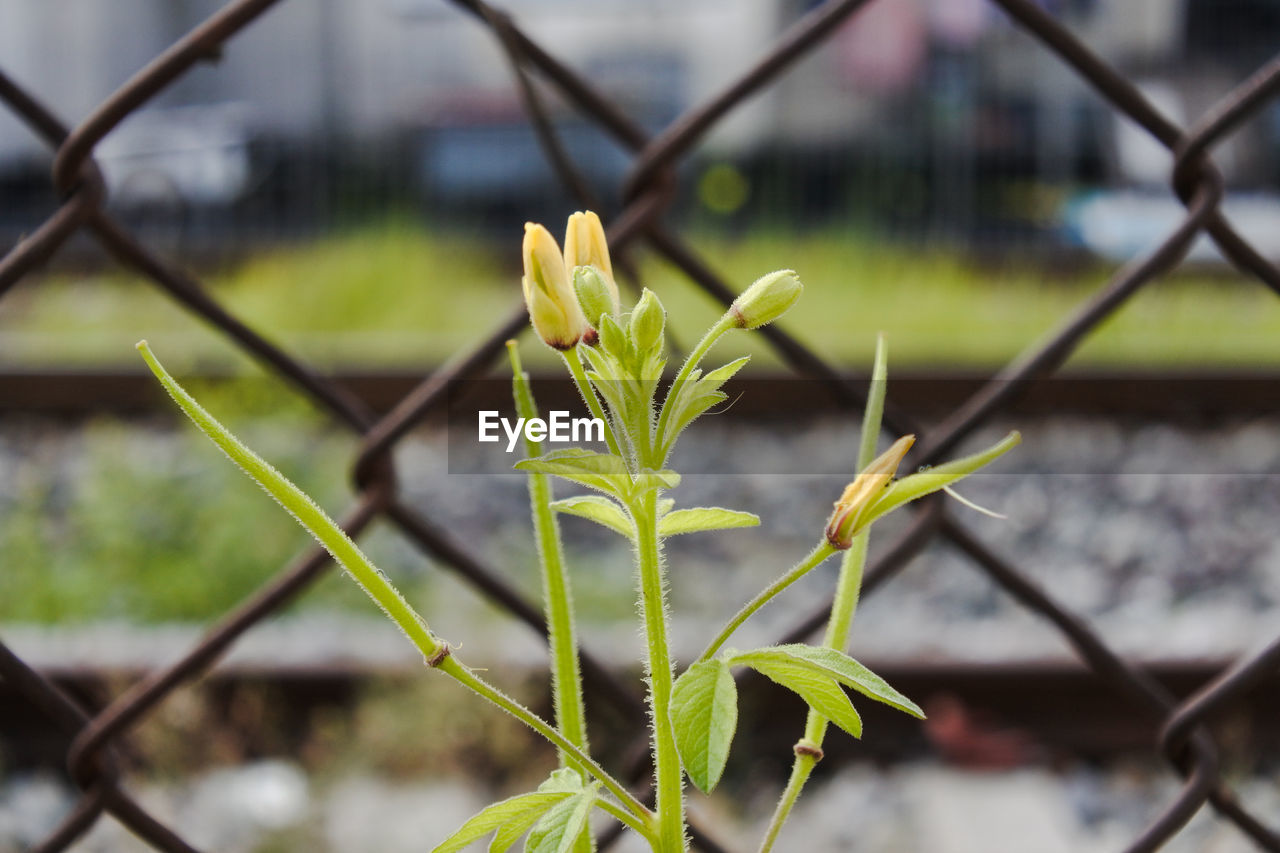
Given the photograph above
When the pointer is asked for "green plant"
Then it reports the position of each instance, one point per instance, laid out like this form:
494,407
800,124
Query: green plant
617,362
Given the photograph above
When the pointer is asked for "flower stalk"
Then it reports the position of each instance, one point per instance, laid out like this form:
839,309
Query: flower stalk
843,607
566,672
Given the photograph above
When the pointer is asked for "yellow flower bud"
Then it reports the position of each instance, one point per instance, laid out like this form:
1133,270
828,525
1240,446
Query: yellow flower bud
553,306
767,299
585,245
863,492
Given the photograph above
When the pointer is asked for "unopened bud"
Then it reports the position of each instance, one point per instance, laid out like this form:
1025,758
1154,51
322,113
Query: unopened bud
593,294
553,306
860,495
648,321
767,299
585,246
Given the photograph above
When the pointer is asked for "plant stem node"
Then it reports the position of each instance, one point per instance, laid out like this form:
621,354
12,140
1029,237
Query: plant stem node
438,658
809,748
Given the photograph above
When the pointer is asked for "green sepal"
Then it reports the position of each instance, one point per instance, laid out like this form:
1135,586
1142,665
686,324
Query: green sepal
613,340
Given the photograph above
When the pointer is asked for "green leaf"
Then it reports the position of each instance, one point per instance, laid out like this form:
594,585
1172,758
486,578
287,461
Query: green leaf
599,509
704,715
704,518
934,479
602,471
721,375
566,780
509,833
665,505
650,479
523,807
608,389
874,412
560,827
601,362
306,511
694,396
845,670
819,691
696,406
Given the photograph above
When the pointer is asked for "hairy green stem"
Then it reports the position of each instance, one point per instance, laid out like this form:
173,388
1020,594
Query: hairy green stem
844,605
800,771
646,829
566,672
666,759
574,363
821,552
452,667
348,555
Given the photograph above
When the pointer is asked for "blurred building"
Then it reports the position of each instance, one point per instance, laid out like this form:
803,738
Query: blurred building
929,114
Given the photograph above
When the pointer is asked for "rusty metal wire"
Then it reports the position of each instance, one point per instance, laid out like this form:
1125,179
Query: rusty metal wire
647,193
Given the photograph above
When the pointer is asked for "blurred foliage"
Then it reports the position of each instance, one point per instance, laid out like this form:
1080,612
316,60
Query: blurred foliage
397,294
115,522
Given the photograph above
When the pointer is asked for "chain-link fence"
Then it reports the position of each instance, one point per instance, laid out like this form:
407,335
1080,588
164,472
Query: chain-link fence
647,194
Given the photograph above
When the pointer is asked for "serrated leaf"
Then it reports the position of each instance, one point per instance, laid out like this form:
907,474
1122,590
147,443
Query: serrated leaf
602,471
665,505
819,691
701,518
560,827
704,716
531,806
599,509
845,670
934,479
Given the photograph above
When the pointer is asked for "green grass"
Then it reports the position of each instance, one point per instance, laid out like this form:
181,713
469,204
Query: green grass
397,295
109,522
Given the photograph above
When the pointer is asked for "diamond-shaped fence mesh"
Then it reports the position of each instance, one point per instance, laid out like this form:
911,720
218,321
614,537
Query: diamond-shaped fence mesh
647,194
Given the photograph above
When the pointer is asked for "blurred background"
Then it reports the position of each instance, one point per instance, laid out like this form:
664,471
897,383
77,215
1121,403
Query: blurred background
351,178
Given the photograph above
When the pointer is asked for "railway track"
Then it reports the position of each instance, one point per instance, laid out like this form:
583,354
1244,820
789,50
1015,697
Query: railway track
1197,396
981,715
